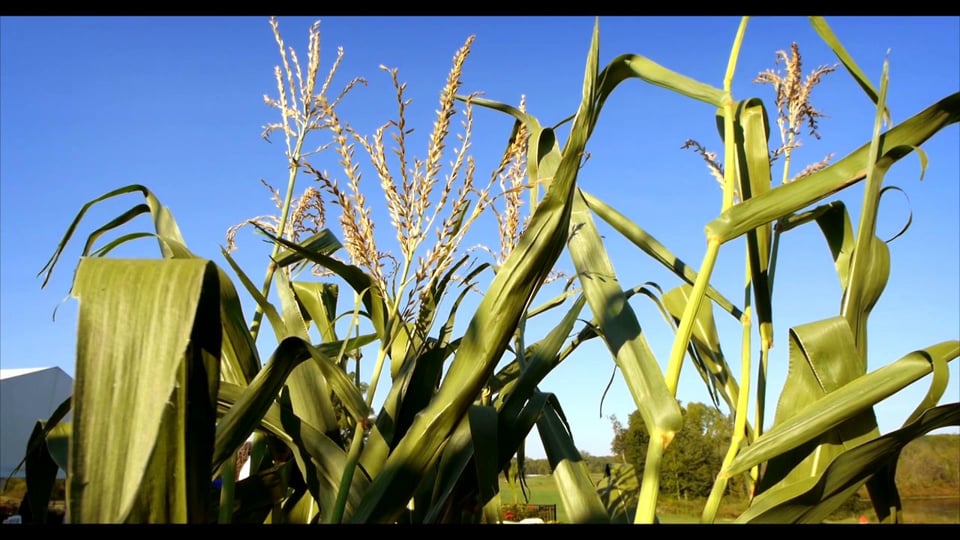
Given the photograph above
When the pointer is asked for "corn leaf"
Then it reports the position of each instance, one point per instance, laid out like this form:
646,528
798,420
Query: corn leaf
41,476
826,33
628,66
276,322
319,302
577,492
148,334
323,462
309,391
323,242
652,247
870,264
841,404
362,283
491,328
163,222
706,344
834,222
619,489
752,151
248,408
619,327
823,359
789,198
483,432
815,498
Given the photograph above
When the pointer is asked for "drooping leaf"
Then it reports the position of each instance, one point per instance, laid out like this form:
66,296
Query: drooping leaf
815,498
794,196
163,222
324,463
706,343
841,404
319,301
361,283
248,409
826,33
149,336
752,153
619,327
652,247
579,496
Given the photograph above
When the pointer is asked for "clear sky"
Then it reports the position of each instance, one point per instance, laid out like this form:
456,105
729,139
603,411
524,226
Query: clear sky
91,104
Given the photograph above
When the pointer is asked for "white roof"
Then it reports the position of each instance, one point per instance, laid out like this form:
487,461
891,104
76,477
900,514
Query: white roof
27,395
16,372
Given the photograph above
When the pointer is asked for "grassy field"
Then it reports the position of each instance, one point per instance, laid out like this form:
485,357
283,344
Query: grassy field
543,490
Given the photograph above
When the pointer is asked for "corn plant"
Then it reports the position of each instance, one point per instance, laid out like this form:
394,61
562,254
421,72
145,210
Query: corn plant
166,339
824,444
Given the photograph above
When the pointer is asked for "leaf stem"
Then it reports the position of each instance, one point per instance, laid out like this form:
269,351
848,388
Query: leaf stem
650,486
294,162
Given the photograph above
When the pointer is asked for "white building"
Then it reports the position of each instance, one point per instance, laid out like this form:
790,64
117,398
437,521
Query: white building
27,395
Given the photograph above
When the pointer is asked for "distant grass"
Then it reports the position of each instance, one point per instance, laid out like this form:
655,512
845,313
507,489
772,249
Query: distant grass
543,490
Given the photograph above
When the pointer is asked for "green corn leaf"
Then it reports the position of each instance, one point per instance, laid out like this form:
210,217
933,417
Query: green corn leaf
752,150
841,404
240,360
823,359
541,146
362,283
276,322
324,462
319,302
413,387
628,66
309,391
260,412
834,222
452,469
826,33
491,328
58,443
652,247
554,302
577,492
542,356
814,499
706,342
430,303
619,326
249,407
257,494
164,224
483,432
619,492
870,264
149,334
794,196
324,242
41,475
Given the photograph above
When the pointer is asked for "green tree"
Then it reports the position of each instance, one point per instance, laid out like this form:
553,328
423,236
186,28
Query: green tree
693,459
630,443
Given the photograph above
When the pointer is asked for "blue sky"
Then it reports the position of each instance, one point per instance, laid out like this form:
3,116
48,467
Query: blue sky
91,104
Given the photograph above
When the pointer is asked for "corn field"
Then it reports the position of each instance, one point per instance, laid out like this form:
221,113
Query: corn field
166,339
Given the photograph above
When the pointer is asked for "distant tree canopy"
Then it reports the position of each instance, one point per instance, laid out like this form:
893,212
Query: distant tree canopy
692,460
930,466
